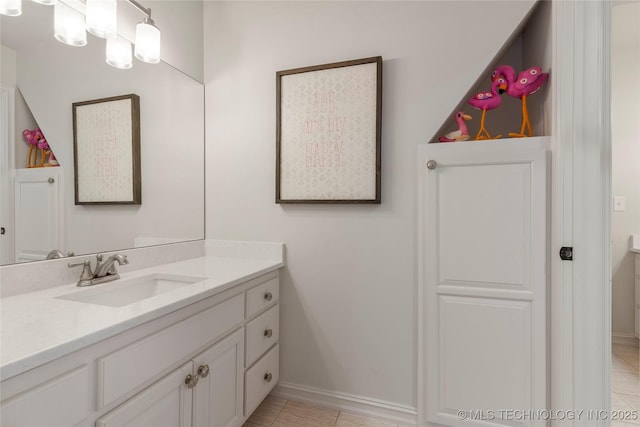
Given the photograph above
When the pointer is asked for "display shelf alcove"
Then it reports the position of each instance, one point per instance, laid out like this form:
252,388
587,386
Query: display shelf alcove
529,45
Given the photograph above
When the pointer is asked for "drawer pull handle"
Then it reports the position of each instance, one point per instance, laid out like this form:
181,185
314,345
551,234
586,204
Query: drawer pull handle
191,381
268,296
268,333
268,377
203,371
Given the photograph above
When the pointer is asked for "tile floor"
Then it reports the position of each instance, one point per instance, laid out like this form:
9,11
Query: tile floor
625,382
275,412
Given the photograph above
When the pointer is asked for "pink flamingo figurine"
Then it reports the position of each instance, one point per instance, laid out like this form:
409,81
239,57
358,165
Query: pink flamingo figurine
462,134
488,101
32,137
44,146
528,82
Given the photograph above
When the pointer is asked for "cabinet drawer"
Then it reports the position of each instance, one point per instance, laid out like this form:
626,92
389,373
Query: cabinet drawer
63,401
262,295
637,265
260,380
127,368
262,333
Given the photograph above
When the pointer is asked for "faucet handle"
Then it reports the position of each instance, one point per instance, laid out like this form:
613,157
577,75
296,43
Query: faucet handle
87,274
99,258
112,269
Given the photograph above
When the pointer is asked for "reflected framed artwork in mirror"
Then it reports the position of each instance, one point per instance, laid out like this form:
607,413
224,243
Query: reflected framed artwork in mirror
106,148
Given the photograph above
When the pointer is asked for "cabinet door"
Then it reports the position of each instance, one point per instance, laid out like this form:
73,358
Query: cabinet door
485,282
218,395
62,401
166,403
38,213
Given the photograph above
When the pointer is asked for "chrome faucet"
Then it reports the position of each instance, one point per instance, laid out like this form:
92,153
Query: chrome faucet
104,272
109,267
57,253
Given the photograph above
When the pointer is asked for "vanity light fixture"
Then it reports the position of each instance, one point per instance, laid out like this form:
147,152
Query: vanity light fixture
102,18
11,7
68,25
147,41
73,18
119,53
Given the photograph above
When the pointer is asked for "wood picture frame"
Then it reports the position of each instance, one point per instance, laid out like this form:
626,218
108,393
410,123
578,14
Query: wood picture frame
106,151
328,133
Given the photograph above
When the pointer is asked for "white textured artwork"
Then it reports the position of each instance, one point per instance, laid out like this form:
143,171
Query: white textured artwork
328,134
104,152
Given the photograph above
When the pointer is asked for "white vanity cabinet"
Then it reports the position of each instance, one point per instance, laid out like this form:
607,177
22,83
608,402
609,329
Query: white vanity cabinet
206,391
186,368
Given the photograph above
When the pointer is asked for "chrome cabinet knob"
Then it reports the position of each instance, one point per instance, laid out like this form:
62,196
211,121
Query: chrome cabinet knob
268,333
268,296
203,371
191,381
432,164
268,377
51,180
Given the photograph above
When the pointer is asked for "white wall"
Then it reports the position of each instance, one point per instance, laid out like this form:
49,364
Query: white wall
626,159
348,292
7,66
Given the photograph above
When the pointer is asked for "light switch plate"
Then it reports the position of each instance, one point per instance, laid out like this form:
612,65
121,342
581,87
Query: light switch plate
619,203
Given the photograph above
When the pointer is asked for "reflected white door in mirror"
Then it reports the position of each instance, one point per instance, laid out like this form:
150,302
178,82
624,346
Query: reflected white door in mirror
38,213
7,100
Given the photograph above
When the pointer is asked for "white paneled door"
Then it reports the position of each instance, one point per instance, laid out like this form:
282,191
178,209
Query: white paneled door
38,213
484,283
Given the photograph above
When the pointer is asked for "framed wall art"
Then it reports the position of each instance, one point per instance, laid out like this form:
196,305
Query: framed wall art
106,150
328,120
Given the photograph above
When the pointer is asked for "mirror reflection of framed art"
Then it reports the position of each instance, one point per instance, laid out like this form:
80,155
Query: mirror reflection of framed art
106,149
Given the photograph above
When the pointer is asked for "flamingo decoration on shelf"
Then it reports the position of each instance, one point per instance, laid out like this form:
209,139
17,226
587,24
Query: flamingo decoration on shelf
527,83
462,134
32,137
488,101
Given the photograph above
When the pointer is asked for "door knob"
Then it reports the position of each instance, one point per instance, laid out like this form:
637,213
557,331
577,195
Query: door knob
432,164
268,377
268,296
268,333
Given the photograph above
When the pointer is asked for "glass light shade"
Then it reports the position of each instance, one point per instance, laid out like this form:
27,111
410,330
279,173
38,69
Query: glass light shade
68,25
46,2
11,7
147,42
119,53
102,17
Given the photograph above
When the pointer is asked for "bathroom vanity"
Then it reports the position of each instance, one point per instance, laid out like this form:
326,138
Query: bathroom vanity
203,353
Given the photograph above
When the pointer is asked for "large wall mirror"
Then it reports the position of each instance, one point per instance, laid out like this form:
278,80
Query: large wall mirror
41,79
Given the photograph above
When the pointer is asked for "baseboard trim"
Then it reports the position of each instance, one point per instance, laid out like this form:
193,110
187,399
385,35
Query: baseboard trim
347,402
624,339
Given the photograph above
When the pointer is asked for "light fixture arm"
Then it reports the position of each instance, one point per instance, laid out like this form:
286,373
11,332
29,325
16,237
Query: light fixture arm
141,8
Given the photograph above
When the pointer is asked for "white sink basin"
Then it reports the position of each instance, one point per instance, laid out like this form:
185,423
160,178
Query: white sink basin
123,292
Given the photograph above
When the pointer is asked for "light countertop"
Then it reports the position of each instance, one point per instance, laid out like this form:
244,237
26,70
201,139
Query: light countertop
36,327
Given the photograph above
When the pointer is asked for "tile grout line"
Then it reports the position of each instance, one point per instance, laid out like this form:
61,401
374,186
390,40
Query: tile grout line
279,412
